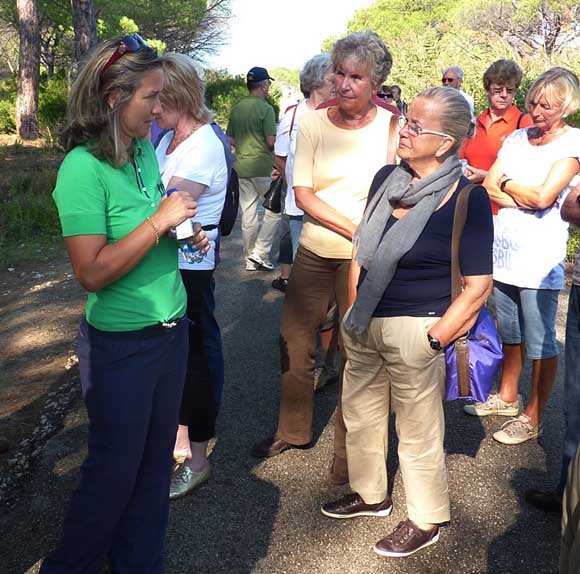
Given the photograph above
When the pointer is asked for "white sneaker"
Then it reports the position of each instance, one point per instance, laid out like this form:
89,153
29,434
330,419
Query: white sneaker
516,431
264,263
251,266
494,406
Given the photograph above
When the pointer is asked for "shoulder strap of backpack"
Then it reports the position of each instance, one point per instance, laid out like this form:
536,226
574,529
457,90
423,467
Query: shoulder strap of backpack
393,139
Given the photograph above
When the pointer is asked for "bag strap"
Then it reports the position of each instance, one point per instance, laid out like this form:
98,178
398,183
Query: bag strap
393,140
461,347
293,118
519,121
459,218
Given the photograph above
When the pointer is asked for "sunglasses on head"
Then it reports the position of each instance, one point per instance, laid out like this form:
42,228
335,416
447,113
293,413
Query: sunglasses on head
130,43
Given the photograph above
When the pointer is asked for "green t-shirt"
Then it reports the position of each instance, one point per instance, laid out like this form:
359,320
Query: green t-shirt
94,198
251,120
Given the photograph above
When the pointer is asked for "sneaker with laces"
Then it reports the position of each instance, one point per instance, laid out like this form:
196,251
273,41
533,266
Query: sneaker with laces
518,430
493,406
260,262
353,505
406,539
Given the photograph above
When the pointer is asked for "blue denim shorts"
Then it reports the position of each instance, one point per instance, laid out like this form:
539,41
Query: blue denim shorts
527,316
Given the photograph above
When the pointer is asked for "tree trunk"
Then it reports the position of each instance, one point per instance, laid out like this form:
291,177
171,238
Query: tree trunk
28,70
85,25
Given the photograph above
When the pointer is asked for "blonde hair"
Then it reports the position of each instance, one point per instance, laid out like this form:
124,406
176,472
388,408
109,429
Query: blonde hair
561,89
92,120
184,90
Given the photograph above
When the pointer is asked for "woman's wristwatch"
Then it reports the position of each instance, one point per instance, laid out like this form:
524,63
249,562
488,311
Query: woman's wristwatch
504,183
434,343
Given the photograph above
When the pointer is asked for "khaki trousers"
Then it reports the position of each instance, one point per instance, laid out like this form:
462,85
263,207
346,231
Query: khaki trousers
394,368
314,283
256,239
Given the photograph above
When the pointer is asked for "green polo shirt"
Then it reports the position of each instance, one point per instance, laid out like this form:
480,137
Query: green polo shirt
251,120
94,198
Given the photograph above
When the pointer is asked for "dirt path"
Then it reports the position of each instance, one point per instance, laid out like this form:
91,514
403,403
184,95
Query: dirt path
40,306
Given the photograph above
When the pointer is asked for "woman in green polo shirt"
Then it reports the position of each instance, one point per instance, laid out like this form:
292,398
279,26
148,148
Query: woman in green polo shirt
132,343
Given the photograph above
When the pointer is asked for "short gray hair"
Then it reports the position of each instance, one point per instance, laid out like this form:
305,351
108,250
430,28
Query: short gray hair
455,69
313,72
366,48
455,114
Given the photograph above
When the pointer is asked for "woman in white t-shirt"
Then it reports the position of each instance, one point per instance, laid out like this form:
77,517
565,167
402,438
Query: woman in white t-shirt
529,181
192,158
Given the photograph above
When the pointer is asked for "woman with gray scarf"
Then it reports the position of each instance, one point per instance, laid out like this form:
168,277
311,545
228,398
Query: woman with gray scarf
402,318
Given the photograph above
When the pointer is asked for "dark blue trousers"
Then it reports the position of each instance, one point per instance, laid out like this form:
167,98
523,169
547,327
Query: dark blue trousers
571,385
132,384
205,368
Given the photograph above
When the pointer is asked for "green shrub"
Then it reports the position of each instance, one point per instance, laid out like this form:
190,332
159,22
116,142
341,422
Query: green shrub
573,242
28,217
52,99
7,117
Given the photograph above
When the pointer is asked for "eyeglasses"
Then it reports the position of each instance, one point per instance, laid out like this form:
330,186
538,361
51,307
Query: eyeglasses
447,80
498,91
131,43
416,130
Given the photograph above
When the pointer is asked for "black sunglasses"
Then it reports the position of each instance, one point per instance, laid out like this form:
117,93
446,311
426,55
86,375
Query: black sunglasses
130,43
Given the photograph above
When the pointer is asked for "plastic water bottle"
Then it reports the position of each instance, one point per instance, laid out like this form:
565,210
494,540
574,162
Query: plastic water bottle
183,233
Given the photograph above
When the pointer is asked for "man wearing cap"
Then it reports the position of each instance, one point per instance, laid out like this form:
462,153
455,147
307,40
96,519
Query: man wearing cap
252,131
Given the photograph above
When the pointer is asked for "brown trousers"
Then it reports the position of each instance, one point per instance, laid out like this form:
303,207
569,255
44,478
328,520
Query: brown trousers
314,283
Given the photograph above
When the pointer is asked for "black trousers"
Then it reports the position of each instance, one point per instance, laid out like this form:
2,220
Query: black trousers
205,365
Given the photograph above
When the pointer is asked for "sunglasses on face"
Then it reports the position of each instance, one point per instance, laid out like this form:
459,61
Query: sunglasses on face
130,43
447,80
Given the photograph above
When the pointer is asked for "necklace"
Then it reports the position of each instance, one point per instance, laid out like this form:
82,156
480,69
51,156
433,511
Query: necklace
178,139
547,138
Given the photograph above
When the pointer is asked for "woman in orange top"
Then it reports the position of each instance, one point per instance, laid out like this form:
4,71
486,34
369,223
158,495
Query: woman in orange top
500,82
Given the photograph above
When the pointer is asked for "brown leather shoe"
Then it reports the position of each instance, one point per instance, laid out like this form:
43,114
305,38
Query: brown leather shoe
338,470
353,505
406,539
272,446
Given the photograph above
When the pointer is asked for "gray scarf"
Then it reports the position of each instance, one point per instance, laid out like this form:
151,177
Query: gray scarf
380,254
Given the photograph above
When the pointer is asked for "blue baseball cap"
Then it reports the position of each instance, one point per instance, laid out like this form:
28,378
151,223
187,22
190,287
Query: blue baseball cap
257,74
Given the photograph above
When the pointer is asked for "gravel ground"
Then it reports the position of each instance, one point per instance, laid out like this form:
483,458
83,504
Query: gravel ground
262,517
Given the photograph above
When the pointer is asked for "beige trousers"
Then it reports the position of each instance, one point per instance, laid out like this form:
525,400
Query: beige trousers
257,239
394,368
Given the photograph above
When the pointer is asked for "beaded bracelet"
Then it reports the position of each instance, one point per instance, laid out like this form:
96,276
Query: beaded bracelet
155,230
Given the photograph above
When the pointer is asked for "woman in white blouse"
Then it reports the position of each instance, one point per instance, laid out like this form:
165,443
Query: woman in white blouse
191,158
529,181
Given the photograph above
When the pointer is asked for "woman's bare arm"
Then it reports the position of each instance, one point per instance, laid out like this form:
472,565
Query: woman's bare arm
491,185
544,195
194,188
462,313
97,263
309,202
